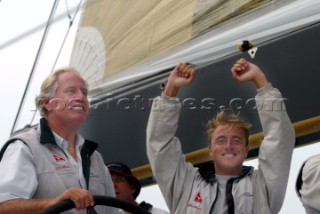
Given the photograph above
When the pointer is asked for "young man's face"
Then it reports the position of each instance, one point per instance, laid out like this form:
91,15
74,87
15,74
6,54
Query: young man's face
70,103
228,149
124,190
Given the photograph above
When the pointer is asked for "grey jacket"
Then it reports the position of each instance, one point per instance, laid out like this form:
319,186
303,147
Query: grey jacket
54,174
189,190
308,184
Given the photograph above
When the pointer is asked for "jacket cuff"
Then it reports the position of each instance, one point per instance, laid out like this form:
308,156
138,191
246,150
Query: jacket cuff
265,89
168,98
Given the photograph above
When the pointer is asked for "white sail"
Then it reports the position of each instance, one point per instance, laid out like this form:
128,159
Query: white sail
121,41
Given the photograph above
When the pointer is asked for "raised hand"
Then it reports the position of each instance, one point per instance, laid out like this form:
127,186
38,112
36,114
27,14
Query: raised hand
182,75
244,71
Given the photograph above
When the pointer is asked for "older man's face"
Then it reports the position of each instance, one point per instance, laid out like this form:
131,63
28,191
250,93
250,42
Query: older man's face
70,103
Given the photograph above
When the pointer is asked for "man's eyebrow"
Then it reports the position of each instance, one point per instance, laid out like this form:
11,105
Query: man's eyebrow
236,136
69,87
220,137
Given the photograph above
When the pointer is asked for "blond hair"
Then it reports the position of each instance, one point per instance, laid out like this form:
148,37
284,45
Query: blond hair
226,117
49,87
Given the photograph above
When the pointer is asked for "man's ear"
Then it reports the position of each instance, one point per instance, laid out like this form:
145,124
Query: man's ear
47,105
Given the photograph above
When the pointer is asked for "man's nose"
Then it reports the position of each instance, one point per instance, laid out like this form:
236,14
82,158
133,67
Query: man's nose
228,144
80,96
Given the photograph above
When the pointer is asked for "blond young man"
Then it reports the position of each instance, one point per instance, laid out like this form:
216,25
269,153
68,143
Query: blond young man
224,186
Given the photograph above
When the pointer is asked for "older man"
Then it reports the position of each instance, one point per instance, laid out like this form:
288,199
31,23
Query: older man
43,166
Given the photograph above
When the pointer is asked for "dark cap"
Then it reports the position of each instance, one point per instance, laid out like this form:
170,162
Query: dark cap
124,170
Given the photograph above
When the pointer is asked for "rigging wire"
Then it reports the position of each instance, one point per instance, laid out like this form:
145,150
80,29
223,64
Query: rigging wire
39,27
49,22
33,30
69,16
71,19
67,33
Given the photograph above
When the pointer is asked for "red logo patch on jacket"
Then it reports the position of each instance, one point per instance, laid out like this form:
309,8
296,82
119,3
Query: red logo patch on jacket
57,158
198,198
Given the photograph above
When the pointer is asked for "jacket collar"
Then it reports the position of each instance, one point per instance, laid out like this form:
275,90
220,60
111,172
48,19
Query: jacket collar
47,136
207,172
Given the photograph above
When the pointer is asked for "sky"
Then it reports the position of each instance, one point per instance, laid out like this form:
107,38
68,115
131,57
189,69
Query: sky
23,24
